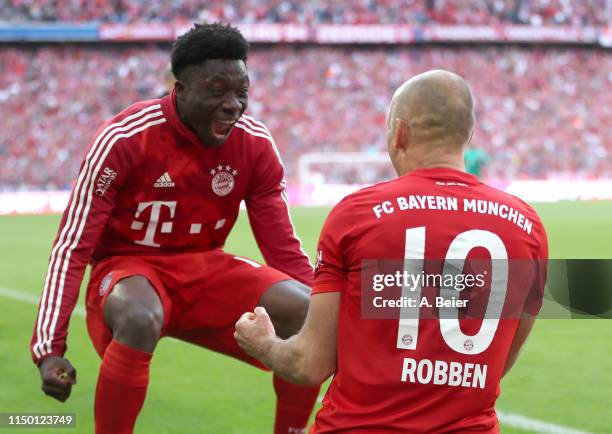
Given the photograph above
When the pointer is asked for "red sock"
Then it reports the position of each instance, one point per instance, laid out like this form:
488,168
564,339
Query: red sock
294,405
121,390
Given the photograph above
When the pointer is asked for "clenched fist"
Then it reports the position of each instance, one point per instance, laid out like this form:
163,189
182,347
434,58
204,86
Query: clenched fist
254,331
58,376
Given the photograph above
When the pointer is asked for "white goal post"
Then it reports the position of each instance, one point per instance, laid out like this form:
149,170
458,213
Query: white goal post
355,168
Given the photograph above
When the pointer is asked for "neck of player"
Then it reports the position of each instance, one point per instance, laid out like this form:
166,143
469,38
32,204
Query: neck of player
438,158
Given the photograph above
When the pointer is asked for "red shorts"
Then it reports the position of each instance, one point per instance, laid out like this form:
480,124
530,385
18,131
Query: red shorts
203,294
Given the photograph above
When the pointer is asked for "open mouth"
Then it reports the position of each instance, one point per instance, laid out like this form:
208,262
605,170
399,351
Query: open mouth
221,128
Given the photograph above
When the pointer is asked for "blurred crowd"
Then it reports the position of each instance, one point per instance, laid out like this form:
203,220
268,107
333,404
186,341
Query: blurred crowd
541,113
529,12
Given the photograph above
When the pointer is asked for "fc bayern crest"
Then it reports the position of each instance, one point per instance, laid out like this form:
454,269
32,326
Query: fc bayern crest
105,284
407,339
223,179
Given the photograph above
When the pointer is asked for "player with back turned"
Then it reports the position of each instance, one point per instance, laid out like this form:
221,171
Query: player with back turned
418,374
156,197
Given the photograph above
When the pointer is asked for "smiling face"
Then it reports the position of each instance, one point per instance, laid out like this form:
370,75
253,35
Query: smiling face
211,98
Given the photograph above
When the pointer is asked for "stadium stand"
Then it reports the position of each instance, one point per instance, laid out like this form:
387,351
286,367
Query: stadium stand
528,12
549,121
321,73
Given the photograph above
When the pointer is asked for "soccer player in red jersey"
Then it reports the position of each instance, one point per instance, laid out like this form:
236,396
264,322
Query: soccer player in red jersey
156,197
418,374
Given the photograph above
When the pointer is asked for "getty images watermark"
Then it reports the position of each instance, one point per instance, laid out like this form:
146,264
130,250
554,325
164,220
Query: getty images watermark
485,288
413,282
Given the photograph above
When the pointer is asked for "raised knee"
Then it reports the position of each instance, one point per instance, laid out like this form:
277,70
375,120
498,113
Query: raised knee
141,320
301,311
295,312
134,313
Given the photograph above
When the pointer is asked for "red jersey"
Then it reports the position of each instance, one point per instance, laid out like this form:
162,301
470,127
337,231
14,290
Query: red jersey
148,186
423,375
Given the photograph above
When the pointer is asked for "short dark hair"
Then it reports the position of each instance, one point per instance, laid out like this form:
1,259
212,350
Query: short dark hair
207,41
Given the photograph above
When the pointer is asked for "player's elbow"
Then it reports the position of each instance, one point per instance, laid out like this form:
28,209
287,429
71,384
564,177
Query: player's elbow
310,363
315,371
312,376
510,361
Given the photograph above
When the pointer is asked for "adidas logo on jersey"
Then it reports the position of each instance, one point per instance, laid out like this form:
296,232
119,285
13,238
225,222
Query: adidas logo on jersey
164,181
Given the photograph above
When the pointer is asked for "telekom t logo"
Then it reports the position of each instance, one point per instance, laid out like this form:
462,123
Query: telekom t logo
166,227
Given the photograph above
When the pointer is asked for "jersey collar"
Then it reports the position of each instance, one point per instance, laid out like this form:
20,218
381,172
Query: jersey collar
445,173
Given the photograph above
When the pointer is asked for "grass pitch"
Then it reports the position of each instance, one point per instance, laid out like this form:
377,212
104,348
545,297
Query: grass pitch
563,376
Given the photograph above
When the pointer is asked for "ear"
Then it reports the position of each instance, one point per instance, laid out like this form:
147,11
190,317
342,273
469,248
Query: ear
471,137
402,135
179,89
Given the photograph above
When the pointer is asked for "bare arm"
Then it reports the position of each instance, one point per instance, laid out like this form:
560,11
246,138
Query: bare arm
522,332
306,358
532,304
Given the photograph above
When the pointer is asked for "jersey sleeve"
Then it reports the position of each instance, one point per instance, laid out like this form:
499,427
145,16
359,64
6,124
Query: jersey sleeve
534,300
101,174
331,268
268,211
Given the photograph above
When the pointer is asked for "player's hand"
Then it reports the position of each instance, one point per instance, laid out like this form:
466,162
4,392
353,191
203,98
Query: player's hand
58,376
253,331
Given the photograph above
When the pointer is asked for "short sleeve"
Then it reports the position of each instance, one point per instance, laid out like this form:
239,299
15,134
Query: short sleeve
330,269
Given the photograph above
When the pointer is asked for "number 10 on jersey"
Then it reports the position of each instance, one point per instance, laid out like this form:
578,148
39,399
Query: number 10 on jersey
460,247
